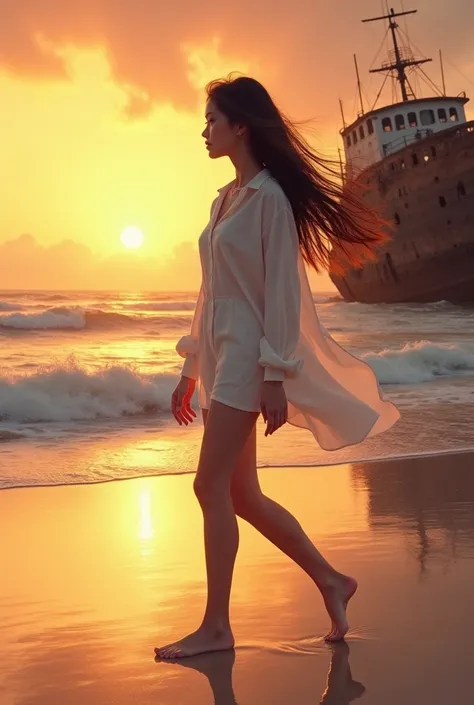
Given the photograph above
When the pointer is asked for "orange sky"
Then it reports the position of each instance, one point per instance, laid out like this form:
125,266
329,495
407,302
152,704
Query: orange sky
102,111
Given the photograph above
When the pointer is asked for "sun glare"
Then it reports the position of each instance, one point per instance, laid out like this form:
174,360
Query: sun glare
132,237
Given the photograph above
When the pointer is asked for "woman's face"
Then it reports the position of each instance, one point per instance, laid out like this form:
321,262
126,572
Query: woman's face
222,138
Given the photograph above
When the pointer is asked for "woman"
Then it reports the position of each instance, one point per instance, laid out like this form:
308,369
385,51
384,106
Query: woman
256,344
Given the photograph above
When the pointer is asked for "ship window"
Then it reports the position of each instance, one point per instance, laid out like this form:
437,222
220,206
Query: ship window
461,190
387,124
427,117
412,120
402,163
361,132
442,115
348,140
442,201
433,151
453,114
400,122
354,137
396,218
370,126
414,158
426,156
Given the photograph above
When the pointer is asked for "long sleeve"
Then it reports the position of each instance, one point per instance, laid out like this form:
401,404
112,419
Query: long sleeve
188,345
282,293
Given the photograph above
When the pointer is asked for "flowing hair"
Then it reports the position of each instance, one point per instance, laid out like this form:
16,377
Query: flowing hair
335,226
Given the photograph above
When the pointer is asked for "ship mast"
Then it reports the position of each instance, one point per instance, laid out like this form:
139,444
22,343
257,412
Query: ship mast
401,62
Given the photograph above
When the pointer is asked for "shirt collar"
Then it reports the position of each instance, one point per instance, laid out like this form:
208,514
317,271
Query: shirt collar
254,183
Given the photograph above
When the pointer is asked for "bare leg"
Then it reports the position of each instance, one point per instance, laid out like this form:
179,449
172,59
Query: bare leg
285,532
225,435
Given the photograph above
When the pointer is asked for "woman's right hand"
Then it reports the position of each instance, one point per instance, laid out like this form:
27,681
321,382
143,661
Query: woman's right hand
181,401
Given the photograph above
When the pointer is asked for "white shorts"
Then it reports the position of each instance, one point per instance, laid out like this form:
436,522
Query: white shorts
229,350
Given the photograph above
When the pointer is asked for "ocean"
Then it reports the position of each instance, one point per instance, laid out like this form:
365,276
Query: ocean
86,380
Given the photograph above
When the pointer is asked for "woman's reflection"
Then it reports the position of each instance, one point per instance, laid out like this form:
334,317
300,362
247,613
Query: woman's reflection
217,667
341,689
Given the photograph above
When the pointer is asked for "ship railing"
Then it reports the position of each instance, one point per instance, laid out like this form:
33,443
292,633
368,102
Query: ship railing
401,142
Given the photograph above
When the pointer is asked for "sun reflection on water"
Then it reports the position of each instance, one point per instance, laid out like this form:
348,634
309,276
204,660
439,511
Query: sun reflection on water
146,530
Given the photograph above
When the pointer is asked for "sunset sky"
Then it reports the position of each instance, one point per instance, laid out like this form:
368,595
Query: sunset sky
102,113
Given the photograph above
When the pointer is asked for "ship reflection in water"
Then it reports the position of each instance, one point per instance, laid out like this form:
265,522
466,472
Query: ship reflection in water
428,501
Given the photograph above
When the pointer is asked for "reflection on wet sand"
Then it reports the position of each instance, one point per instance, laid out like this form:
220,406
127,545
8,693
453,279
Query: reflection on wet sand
218,667
341,688
430,500
94,577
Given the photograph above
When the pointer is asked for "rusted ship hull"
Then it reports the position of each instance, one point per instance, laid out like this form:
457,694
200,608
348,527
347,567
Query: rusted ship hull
427,189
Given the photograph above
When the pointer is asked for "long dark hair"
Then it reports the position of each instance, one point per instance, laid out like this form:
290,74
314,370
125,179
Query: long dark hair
335,226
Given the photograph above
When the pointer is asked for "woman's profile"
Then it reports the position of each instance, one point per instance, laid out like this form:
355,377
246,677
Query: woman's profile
256,344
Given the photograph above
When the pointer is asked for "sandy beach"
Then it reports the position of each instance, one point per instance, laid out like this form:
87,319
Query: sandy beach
95,576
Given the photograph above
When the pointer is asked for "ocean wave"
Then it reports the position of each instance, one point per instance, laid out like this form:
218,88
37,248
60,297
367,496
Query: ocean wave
78,318
7,306
54,297
69,392
36,295
420,362
327,299
6,435
161,306
53,318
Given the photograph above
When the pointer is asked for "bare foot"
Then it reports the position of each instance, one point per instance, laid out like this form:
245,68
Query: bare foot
336,598
199,642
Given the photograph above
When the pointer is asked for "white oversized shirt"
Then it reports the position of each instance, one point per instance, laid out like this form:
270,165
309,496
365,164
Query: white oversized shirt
256,257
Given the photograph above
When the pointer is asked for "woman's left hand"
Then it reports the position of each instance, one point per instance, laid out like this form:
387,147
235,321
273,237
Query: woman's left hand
274,406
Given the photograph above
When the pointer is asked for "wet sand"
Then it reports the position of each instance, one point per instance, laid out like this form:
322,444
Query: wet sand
94,577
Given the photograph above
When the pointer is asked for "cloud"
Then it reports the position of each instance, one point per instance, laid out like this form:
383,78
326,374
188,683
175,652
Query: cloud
147,41
302,49
25,264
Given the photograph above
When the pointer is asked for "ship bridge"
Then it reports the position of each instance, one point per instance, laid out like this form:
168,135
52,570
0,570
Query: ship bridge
382,132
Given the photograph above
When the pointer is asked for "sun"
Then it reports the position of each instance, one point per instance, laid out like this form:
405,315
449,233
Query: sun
132,237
